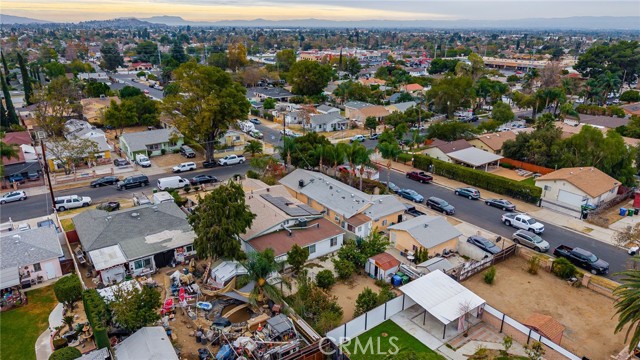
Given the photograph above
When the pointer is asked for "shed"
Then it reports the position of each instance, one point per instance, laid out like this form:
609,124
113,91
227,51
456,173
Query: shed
546,325
148,343
382,266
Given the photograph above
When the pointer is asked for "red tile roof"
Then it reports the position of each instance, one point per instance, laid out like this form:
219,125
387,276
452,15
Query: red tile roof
546,325
385,261
16,138
281,242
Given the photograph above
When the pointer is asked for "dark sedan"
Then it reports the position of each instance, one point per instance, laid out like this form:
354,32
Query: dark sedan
209,164
104,181
484,244
203,179
501,204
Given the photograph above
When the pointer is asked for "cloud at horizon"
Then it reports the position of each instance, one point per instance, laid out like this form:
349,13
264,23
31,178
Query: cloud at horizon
215,10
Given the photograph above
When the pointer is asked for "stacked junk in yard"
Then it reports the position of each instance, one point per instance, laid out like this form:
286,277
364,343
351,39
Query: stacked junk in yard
228,326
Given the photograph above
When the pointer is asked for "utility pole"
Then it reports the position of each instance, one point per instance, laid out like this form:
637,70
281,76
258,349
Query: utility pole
45,167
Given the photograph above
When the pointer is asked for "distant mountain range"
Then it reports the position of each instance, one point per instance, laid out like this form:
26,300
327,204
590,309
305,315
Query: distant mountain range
569,23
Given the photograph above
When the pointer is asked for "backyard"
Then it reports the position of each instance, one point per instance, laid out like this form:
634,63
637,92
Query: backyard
384,340
21,327
587,315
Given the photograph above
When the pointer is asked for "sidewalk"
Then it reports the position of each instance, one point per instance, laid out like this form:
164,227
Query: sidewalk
545,215
43,344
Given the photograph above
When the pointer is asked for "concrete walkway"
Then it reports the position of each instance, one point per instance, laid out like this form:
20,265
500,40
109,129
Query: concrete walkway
43,344
403,319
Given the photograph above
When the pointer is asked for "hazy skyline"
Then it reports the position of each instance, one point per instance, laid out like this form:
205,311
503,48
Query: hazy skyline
213,10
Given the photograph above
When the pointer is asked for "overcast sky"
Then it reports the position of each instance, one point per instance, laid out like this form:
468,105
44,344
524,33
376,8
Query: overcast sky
203,10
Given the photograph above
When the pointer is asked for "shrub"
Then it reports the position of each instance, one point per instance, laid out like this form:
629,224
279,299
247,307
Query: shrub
630,96
251,174
59,343
506,165
242,280
481,179
344,268
405,158
490,275
366,301
563,268
385,294
325,279
534,265
68,290
66,353
163,151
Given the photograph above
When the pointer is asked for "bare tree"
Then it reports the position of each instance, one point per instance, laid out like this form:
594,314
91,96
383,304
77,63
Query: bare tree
550,75
463,310
70,153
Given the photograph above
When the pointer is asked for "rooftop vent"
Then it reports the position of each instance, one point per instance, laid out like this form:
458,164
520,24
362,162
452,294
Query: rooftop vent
300,183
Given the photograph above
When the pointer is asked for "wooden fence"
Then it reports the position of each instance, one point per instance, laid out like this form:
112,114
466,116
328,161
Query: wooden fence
465,272
527,166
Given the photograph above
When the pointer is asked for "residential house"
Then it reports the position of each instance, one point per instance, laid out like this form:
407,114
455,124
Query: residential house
93,108
282,221
344,205
325,109
379,112
569,188
433,233
151,142
412,88
610,122
80,129
100,75
148,343
27,160
439,149
57,155
492,142
232,141
134,241
569,129
400,107
30,257
140,66
352,107
294,117
328,122
263,93
372,82
418,72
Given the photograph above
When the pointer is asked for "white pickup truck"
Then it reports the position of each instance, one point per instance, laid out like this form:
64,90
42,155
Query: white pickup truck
523,221
231,160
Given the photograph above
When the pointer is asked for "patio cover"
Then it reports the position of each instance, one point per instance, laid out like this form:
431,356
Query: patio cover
9,277
441,296
107,257
474,156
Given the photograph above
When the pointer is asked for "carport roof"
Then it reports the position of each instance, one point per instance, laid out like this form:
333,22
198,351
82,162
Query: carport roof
474,156
441,296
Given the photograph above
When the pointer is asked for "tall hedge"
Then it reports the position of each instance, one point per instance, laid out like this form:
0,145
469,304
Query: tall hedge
481,179
98,316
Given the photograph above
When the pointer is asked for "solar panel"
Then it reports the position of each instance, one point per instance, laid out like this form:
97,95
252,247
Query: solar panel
285,205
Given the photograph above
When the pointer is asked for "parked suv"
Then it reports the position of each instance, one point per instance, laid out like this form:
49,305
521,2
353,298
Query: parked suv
440,205
187,151
468,192
63,203
133,181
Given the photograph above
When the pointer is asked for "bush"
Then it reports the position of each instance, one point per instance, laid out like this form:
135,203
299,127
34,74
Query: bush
98,316
534,265
60,343
630,96
563,268
66,353
507,165
344,268
253,174
187,189
325,279
366,301
481,179
490,275
163,151
255,112
405,158
68,290
242,281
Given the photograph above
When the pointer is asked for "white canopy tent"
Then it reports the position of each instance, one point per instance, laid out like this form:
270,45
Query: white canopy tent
442,297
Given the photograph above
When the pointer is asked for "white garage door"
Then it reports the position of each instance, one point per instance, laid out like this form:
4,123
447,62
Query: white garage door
570,198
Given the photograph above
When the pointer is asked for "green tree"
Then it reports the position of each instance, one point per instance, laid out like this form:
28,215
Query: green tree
450,131
218,220
297,256
219,59
627,305
367,300
147,51
352,91
371,123
207,104
352,66
450,93
54,69
309,77
253,147
120,115
502,112
66,353
325,279
12,116
630,96
439,66
318,308
285,59
474,69
385,294
617,58
68,290
260,265
4,64
177,53
111,57
130,91
71,152
95,89
135,308
147,110
26,81
237,55
269,104
344,268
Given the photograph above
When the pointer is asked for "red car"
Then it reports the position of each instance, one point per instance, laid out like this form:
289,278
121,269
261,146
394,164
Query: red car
421,176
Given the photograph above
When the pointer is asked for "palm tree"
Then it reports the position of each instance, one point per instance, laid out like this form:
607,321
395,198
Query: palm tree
628,305
253,147
334,154
260,265
8,151
288,146
320,151
389,151
363,159
416,138
354,154
608,82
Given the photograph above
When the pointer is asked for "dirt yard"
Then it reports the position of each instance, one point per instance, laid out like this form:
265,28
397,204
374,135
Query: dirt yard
587,315
347,293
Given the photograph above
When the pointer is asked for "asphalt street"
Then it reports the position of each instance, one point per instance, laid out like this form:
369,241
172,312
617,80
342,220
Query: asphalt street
127,79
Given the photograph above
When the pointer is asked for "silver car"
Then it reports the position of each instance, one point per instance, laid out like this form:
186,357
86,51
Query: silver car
529,239
13,196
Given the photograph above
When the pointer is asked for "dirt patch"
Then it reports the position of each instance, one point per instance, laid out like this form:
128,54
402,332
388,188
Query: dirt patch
167,160
588,316
348,292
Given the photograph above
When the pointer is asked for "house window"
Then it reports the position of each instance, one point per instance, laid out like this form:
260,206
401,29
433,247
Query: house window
384,222
188,248
37,267
359,229
415,248
312,248
153,147
547,188
142,263
337,218
334,241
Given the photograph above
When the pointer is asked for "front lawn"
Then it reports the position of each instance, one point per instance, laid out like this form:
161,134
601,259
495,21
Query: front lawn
384,339
529,181
21,327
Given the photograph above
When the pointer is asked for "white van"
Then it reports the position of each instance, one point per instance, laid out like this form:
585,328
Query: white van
143,160
172,182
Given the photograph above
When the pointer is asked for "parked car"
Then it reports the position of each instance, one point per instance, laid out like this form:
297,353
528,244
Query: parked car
187,151
121,162
33,176
256,134
358,138
63,203
231,160
392,187
440,205
505,205
582,258
209,164
133,181
143,160
172,182
185,166
13,196
411,195
523,221
104,181
471,193
109,206
374,136
255,121
530,239
203,179
48,223
420,176
17,178
483,244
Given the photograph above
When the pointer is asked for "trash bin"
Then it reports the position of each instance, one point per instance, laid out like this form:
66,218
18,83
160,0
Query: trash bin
155,190
623,211
636,211
630,212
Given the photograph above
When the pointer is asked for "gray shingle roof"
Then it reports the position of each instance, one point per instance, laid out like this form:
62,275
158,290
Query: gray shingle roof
139,140
140,231
357,104
429,231
323,119
29,247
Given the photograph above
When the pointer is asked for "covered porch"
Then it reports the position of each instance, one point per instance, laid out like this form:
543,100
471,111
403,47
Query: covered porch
475,158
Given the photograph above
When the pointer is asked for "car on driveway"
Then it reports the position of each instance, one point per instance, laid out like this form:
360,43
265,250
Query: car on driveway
440,205
505,205
484,244
13,196
203,179
17,178
530,239
187,151
420,176
255,121
411,195
471,193
104,181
